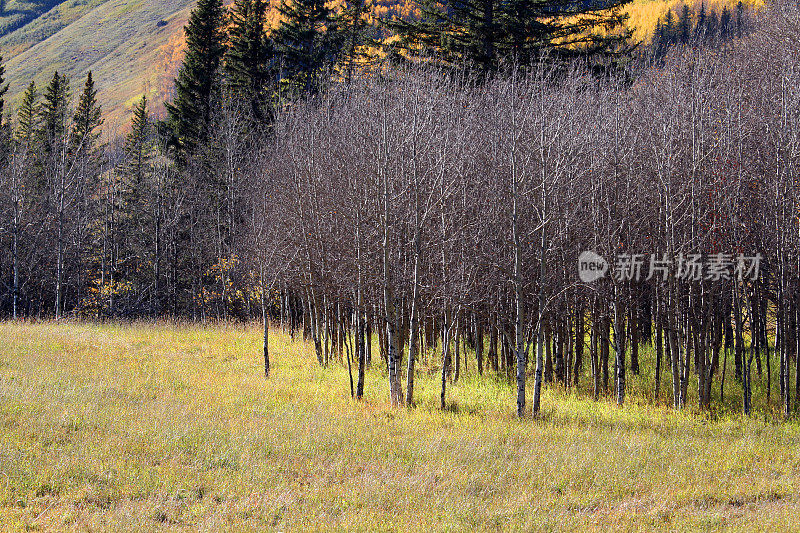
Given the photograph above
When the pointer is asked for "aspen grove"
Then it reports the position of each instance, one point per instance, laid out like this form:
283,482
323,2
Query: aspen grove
442,211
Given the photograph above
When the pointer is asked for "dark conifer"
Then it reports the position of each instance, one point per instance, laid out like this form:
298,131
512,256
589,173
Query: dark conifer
136,223
248,61
307,41
138,142
669,28
190,113
3,88
739,18
712,25
88,117
53,113
725,23
355,32
684,24
700,25
488,32
659,44
28,116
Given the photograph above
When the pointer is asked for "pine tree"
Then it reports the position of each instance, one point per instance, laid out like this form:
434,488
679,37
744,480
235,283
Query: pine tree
307,42
29,136
53,113
355,33
86,153
684,24
190,113
700,26
88,117
712,25
138,141
659,42
138,150
85,164
465,29
484,21
423,37
28,116
669,28
486,33
525,33
248,61
725,23
136,225
739,18
52,169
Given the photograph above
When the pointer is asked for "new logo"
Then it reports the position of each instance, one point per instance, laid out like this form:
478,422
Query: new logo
591,267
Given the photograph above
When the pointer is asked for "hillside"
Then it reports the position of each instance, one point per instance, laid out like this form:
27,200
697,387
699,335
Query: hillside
134,46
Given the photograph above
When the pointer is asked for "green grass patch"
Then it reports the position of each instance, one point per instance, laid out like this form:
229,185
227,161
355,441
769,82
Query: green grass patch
143,427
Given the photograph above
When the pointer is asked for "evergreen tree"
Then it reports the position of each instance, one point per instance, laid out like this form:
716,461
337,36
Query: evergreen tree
525,33
190,113
725,23
700,26
739,18
85,164
425,36
669,28
53,113
248,61
487,32
684,24
138,142
88,117
712,25
29,136
28,116
138,202
355,33
135,168
659,44
480,23
52,169
307,42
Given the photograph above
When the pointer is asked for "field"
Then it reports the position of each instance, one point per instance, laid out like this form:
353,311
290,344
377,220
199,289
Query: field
143,427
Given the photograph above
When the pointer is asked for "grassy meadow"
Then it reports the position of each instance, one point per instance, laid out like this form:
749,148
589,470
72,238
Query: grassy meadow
140,427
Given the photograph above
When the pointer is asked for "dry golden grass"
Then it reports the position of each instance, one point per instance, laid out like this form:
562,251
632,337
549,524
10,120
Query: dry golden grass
163,427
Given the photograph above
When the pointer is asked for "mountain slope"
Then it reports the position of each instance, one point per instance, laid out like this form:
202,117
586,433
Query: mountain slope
132,48
37,20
